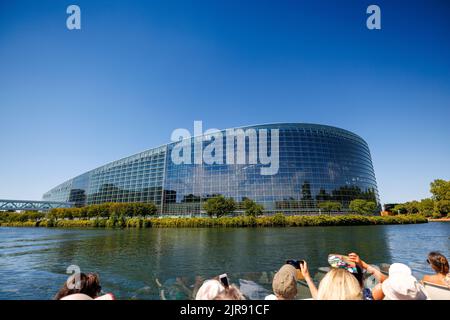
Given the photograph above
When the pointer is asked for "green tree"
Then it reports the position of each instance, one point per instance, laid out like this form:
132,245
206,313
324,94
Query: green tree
67,213
104,210
117,209
440,189
361,206
4,216
35,216
83,212
57,213
92,211
412,207
329,206
252,208
427,207
22,217
442,207
400,209
144,209
219,206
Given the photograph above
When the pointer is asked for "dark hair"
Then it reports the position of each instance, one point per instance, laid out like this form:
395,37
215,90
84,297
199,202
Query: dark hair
88,284
359,275
438,262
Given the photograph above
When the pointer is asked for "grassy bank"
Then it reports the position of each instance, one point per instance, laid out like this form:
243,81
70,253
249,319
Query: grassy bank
278,220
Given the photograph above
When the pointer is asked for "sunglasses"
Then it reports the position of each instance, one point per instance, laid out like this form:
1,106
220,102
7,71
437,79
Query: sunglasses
428,261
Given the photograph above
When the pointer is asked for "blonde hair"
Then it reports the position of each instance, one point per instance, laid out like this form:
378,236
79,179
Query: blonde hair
339,284
209,290
230,293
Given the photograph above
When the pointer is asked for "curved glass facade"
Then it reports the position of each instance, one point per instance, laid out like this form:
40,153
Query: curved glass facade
316,163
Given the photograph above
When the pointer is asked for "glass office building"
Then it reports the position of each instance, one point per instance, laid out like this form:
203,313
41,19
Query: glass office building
315,163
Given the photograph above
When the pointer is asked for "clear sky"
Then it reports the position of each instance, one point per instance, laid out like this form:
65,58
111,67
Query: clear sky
71,101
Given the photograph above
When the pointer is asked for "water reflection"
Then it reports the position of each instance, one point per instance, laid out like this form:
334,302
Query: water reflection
135,264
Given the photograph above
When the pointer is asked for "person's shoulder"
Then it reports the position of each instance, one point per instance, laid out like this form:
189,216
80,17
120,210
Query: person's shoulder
77,296
107,296
428,278
271,297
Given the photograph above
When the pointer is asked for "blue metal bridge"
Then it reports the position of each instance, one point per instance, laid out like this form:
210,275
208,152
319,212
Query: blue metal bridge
31,205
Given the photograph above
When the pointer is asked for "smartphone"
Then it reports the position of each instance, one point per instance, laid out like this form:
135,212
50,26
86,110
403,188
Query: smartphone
224,280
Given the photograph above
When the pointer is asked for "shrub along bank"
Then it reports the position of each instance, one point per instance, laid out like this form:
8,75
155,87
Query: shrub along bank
277,220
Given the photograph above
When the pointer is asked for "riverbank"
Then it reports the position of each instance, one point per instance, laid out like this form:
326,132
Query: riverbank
278,220
439,220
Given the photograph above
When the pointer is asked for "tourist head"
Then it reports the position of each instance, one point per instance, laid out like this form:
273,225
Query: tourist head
209,290
438,262
346,263
342,262
339,284
88,284
401,284
285,282
230,293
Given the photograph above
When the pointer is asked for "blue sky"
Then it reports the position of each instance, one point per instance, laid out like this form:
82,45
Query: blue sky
74,100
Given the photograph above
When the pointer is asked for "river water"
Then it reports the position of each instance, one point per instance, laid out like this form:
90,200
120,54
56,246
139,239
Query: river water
142,263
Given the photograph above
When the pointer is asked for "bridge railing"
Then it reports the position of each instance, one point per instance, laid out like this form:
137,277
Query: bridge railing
32,205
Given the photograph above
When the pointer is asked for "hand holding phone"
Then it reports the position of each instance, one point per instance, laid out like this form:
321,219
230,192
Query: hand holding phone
224,280
295,263
298,265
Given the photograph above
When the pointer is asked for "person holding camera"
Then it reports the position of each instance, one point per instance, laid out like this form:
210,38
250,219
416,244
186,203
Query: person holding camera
338,284
284,283
219,288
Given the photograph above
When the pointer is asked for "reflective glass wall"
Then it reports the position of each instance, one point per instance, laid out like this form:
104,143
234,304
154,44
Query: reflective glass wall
316,163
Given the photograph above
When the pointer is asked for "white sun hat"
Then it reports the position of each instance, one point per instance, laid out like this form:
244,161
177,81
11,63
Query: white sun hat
399,268
401,284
